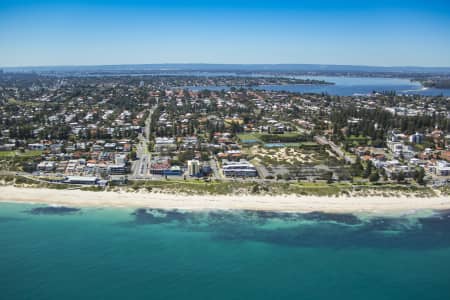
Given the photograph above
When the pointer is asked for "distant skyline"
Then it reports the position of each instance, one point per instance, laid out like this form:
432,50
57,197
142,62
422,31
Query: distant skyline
101,32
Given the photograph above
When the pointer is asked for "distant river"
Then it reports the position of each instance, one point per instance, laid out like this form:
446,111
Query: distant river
348,86
52,254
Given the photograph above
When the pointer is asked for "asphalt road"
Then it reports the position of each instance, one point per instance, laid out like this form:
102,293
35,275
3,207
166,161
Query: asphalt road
141,167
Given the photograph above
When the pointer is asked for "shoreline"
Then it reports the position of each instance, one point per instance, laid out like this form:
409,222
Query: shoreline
282,203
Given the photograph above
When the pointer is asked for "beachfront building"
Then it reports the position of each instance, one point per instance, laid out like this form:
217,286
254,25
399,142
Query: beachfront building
394,168
158,166
117,169
118,179
162,166
240,168
193,167
90,180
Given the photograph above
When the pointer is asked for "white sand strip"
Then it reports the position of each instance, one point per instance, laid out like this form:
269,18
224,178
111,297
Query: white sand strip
290,203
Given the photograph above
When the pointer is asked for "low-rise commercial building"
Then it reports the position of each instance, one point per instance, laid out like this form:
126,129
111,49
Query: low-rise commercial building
241,168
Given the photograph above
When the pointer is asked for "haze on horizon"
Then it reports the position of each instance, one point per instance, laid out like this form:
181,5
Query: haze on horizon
101,32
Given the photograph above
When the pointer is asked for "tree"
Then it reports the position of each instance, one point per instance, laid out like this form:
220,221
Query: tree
374,177
328,176
357,168
383,173
133,155
186,155
368,169
419,176
400,177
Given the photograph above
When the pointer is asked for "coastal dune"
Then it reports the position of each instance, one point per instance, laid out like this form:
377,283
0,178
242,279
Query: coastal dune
288,203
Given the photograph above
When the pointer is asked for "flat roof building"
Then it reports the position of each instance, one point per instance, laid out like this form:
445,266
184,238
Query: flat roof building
81,180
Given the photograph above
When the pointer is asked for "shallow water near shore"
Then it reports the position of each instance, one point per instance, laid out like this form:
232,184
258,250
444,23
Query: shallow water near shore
70,253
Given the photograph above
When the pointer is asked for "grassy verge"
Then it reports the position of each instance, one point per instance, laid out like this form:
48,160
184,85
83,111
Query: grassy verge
26,154
193,187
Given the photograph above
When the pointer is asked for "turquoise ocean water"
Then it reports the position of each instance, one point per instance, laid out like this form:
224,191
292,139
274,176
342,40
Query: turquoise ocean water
50,253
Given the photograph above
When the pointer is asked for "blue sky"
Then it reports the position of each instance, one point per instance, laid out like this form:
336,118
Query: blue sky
69,32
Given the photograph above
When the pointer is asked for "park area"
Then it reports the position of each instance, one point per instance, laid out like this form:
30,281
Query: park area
302,163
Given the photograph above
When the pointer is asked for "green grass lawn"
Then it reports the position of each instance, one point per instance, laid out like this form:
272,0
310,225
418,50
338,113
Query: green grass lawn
7,153
359,140
10,154
271,188
200,187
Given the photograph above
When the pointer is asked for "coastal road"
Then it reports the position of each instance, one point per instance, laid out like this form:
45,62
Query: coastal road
141,167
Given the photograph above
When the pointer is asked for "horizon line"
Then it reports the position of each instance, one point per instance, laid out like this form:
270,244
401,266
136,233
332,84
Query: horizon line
226,64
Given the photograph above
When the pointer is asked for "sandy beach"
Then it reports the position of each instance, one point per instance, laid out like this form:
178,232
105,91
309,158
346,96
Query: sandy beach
77,198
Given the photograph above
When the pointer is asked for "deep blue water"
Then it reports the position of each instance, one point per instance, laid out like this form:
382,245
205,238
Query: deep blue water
348,86
48,253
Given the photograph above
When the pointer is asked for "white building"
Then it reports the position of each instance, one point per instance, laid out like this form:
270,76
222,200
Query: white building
442,168
416,138
46,166
81,180
36,146
399,149
193,167
120,159
241,168
165,144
